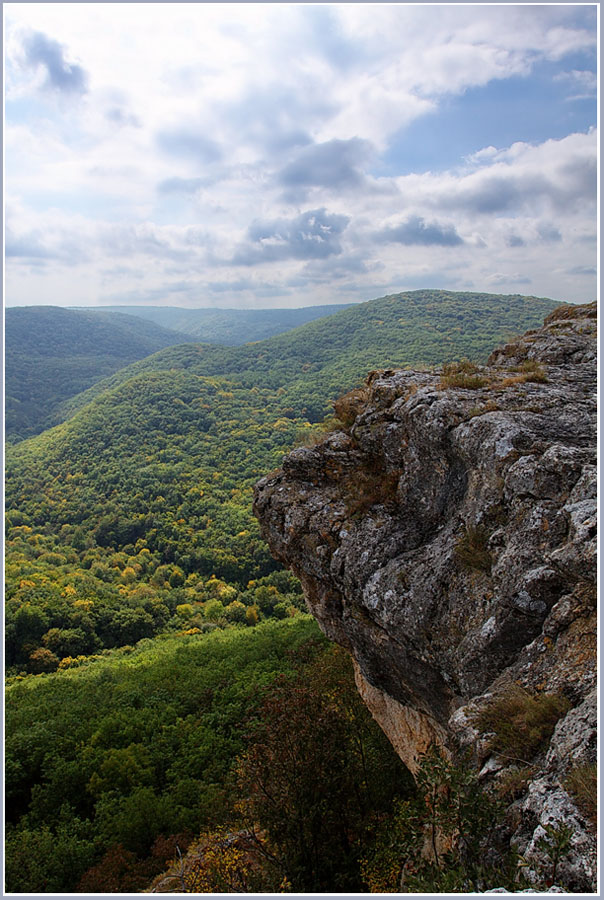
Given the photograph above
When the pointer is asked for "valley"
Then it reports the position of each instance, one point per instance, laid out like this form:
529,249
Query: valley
132,548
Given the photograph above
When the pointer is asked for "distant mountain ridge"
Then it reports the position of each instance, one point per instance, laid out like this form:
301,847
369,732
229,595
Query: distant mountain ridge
318,360
53,353
230,327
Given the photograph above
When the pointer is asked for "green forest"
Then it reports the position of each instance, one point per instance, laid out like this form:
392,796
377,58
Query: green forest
149,631
53,353
226,326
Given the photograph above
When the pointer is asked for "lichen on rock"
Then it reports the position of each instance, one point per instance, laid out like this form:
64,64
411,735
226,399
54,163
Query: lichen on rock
446,536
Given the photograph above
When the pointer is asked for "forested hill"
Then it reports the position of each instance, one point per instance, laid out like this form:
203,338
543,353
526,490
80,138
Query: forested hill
145,491
227,326
53,353
314,362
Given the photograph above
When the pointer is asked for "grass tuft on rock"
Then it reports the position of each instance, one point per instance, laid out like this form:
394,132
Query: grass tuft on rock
521,724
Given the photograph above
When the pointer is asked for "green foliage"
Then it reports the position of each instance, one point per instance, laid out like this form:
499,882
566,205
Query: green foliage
315,771
114,512
521,723
227,326
138,744
441,840
54,353
172,736
129,526
555,842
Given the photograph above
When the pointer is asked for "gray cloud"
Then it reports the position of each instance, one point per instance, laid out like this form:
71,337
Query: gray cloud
548,233
500,279
182,185
416,231
333,164
36,246
122,117
514,240
188,143
131,240
68,78
583,270
314,234
336,268
275,117
26,247
568,187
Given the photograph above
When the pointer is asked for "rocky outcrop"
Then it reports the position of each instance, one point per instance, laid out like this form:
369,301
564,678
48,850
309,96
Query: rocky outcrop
446,536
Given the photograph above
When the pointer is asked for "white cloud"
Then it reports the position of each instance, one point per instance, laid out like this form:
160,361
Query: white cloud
198,120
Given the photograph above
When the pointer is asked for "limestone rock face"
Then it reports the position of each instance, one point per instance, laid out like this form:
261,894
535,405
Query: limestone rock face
446,536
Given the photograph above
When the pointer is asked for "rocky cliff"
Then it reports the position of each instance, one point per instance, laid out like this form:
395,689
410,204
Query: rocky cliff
445,535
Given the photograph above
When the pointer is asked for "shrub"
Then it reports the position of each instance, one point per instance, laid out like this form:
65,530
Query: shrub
532,370
472,548
521,723
371,488
462,374
350,405
459,820
514,782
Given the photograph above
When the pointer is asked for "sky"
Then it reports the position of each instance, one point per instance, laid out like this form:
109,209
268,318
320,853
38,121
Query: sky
285,155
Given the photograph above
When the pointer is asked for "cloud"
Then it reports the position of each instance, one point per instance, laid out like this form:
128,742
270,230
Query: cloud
559,176
188,143
332,164
181,185
514,240
548,233
415,231
583,270
314,234
501,279
68,78
119,116
35,245
584,83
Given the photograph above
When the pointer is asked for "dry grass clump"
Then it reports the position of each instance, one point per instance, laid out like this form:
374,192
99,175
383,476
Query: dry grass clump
464,374
350,405
572,311
370,488
531,370
582,783
521,723
514,782
472,548
311,435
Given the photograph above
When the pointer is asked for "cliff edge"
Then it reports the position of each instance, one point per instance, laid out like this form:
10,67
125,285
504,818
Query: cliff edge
445,535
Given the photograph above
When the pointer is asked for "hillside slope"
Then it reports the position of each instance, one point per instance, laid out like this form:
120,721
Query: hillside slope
445,534
53,353
226,326
147,487
315,362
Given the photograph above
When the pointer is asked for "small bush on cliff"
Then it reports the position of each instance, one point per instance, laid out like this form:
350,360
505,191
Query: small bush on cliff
370,487
472,548
462,374
350,405
532,370
521,723
443,839
582,783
